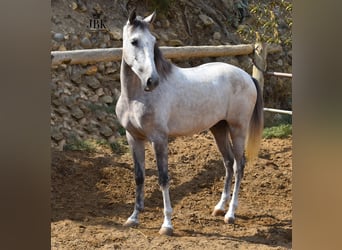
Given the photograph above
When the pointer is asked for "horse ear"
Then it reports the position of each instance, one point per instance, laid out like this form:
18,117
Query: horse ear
132,16
150,18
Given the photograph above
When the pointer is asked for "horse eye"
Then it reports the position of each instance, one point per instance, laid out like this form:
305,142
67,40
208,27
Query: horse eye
134,42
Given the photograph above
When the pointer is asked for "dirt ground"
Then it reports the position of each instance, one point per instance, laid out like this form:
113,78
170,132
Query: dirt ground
93,194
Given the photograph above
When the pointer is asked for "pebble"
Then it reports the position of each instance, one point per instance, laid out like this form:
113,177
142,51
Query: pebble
106,131
92,82
217,36
77,113
58,37
107,99
85,43
91,70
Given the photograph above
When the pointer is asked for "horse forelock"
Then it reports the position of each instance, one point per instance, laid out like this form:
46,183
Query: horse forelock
139,23
163,66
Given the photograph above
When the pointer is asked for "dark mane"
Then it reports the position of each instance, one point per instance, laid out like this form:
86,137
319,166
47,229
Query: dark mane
164,67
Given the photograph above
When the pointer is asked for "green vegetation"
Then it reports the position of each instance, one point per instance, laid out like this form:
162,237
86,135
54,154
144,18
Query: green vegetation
273,23
120,146
161,6
110,109
75,144
280,131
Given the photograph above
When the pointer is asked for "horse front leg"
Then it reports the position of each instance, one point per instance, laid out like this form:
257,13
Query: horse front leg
161,152
138,152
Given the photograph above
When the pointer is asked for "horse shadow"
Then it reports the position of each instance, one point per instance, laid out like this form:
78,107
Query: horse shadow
277,234
211,172
77,181
77,191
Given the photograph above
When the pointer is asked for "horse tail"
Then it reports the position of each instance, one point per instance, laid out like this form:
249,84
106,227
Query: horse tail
256,125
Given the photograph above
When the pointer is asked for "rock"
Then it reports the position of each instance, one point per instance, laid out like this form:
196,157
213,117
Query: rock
166,24
217,36
110,71
99,92
207,21
109,64
77,113
56,134
106,131
101,67
100,114
92,82
164,37
280,62
94,98
58,37
62,111
85,43
116,33
61,144
107,99
175,42
76,74
74,5
74,40
91,70
62,48
106,38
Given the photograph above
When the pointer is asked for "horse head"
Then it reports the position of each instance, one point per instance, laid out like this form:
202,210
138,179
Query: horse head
138,49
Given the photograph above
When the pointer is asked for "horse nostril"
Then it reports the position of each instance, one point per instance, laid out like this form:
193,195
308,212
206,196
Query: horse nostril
149,82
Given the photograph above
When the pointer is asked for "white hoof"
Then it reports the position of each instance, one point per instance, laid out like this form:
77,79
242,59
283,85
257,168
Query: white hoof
229,220
131,223
166,231
218,212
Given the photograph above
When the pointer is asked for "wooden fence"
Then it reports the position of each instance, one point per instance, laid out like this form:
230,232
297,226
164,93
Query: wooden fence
259,51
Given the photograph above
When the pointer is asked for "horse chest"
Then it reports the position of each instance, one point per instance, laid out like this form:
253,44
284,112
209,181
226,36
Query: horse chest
136,117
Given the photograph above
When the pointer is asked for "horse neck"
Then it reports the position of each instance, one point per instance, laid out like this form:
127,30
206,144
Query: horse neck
130,82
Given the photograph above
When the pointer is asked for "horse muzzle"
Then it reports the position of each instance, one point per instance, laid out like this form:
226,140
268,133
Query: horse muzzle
151,83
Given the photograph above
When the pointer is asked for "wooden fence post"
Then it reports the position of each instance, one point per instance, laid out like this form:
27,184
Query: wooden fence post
259,62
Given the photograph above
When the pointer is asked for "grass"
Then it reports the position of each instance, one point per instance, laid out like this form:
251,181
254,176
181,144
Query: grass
280,131
119,147
75,144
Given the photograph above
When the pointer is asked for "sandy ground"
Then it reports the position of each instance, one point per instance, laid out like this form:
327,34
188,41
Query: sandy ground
92,194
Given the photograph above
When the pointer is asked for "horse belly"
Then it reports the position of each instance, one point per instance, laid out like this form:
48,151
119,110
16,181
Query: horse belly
195,118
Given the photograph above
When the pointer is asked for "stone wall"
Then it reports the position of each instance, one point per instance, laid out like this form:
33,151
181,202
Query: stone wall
83,97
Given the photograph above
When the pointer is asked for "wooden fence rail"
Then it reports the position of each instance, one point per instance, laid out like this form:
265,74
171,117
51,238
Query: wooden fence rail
114,54
289,75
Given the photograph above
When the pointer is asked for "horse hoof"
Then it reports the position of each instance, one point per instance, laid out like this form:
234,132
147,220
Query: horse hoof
130,223
166,231
229,220
218,212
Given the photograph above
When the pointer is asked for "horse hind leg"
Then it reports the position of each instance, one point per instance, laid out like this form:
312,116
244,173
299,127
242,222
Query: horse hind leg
238,134
221,132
